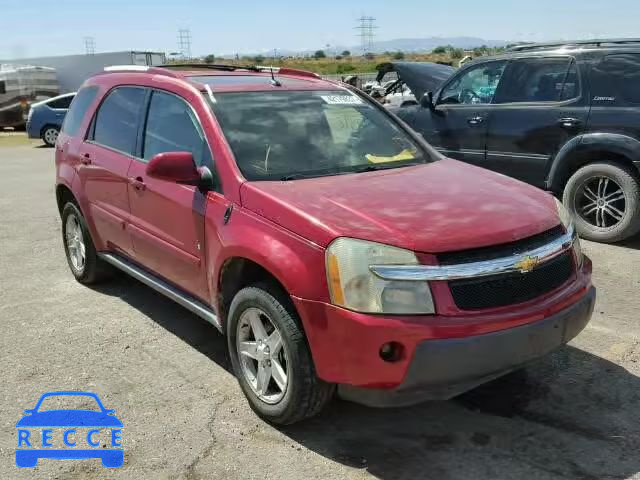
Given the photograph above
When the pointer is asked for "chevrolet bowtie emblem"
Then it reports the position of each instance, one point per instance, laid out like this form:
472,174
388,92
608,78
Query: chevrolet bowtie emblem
527,264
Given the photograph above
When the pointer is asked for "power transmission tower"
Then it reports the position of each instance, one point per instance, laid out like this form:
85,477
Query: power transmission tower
89,45
184,43
366,25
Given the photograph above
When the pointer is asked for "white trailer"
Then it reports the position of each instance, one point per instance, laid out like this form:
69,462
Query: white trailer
73,70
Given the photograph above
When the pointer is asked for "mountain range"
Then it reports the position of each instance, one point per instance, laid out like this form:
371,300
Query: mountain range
416,45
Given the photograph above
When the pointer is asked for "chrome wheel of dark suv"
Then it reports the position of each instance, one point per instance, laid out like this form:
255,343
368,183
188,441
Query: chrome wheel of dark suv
604,200
601,202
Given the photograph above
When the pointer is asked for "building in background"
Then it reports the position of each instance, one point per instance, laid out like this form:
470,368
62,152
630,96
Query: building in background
73,70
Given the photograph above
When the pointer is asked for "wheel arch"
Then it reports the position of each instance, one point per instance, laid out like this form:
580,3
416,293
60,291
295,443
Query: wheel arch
238,272
588,148
64,195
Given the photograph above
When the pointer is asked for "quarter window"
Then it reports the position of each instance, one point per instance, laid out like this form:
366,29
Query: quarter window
173,127
616,79
477,85
533,80
116,123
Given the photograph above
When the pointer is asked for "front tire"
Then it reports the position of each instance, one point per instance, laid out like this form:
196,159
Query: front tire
271,358
82,257
50,135
604,200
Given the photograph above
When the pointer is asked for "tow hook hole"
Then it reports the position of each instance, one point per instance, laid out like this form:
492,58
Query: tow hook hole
391,351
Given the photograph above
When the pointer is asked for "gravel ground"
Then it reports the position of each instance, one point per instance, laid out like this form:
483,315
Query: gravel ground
165,372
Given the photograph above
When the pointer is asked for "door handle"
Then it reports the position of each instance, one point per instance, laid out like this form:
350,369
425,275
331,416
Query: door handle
85,159
477,120
137,183
569,122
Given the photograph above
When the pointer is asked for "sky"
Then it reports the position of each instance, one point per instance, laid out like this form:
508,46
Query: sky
31,28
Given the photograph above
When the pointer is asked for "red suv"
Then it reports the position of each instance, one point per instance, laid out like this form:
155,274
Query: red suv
328,242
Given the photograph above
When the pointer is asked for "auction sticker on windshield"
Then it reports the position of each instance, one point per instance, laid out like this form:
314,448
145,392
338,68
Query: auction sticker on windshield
341,99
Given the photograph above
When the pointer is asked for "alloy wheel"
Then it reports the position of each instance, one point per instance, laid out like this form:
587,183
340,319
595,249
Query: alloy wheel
262,355
75,242
51,135
601,202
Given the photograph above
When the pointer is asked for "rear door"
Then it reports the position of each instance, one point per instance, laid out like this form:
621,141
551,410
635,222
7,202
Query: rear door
539,106
457,125
105,157
167,219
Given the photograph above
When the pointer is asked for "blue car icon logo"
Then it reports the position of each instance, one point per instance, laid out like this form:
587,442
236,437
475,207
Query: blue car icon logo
36,433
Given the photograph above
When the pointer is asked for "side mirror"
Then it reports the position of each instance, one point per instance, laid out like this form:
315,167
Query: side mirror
177,167
427,101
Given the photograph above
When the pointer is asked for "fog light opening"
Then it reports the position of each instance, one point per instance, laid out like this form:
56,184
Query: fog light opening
391,351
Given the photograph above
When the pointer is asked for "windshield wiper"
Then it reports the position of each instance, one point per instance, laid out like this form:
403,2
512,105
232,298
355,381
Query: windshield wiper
374,167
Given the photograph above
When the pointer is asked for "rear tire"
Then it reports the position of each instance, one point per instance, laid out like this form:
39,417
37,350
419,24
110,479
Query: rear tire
50,135
82,257
304,394
604,200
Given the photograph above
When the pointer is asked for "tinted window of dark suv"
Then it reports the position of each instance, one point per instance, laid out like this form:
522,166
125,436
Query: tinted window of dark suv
538,80
78,109
617,77
117,120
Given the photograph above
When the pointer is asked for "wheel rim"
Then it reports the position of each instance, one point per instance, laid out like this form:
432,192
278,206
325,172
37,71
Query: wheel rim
75,242
51,135
601,202
262,355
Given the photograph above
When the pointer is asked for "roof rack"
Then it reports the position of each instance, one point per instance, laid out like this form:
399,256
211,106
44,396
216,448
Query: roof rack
210,66
598,42
140,69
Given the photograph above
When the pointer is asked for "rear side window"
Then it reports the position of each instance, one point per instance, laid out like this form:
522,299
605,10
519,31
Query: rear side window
617,79
63,102
172,126
117,120
78,109
533,80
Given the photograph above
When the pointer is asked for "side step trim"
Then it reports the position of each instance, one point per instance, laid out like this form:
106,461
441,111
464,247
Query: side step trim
163,287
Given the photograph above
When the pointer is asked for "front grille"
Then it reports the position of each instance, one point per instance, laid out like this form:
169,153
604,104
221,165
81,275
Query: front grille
504,250
511,288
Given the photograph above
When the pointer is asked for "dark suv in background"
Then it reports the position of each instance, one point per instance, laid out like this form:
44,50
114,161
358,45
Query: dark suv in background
564,117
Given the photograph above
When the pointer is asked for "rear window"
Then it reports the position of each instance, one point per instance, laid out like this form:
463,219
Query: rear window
117,120
63,102
617,79
78,109
285,134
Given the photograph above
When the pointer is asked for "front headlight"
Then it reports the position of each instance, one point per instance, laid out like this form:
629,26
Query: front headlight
567,221
563,214
352,284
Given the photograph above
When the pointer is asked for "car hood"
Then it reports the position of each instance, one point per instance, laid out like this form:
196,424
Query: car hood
438,207
69,418
420,77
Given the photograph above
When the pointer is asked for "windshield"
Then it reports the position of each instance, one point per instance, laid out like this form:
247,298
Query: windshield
297,134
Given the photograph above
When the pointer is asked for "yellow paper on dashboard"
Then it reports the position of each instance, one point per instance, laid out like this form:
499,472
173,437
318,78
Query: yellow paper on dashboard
403,155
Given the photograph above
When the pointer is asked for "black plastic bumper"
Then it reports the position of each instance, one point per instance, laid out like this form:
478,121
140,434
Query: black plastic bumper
442,369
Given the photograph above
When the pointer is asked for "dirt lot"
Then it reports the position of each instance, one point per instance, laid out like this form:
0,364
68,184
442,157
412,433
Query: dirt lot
165,372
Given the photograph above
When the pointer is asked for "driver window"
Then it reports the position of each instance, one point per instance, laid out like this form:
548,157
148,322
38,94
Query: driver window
475,86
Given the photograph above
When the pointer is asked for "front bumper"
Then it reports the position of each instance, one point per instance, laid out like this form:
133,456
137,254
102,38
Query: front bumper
442,369
345,345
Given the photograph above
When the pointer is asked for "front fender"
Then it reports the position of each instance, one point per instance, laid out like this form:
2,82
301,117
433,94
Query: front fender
295,262
617,143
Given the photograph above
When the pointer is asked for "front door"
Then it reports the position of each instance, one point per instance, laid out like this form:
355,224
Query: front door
167,219
538,108
457,126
